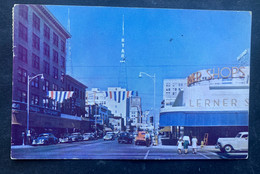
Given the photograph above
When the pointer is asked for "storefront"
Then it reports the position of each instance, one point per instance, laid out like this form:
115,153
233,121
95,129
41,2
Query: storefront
214,102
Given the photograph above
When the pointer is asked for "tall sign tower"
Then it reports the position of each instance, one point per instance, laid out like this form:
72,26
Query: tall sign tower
122,79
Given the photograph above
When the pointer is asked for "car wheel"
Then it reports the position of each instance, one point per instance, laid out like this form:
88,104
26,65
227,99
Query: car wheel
228,148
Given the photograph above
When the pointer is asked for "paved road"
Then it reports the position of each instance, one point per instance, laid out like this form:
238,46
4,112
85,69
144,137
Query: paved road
100,149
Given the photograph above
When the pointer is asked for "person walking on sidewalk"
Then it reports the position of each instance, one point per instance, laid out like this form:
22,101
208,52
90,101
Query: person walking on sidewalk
186,143
180,146
194,144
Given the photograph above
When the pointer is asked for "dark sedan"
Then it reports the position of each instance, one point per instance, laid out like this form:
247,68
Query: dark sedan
125,137
45,138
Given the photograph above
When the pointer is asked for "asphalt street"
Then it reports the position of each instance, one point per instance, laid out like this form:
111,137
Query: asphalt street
100,149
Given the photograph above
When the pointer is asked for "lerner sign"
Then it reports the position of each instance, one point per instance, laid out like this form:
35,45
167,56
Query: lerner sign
216,73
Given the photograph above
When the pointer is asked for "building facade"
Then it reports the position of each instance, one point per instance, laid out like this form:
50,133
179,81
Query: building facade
214,101
39,47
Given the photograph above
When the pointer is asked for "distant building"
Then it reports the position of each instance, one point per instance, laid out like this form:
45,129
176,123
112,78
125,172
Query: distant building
171,89
115,99
135,110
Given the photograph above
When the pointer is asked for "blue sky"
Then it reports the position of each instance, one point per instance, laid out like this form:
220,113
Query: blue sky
170,43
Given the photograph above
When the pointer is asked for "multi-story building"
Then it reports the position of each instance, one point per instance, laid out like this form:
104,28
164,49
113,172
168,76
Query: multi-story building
115,99
76,104
214,101
39,47
171,89
135,110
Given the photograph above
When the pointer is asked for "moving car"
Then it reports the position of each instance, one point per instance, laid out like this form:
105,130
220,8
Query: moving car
45,138
66,138
109,136
76,136
240,142
143,138
125,137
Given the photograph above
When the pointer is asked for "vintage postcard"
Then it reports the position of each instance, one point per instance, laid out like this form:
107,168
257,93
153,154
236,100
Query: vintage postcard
129,83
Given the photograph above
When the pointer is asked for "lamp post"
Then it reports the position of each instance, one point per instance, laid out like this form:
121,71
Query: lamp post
29,79
154,82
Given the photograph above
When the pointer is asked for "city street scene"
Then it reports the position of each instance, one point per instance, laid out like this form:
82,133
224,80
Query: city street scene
129,83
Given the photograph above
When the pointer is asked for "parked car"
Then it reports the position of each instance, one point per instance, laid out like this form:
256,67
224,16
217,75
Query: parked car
77,136
89,136
125,137
240,142
141,138
45,138
66,138
109,136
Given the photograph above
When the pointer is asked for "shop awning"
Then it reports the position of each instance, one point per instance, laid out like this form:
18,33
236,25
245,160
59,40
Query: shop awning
204,118
166,129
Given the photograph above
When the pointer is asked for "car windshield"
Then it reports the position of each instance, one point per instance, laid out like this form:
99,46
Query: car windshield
110,133
75,134
44,135
87,133
238,136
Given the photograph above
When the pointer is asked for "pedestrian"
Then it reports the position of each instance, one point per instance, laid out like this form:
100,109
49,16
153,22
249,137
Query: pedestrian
194,144
180,145
186,143
147,138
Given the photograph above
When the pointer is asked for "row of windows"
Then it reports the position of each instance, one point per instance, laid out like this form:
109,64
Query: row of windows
47,102
77,93
23,31
22,76
22,52
173,89
173,85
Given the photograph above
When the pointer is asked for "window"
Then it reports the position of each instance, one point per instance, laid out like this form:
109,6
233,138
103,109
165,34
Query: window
23,11
45,102
23,32
46,32
35,82
63,46
36,42
22,53
22,75
55,56
46,67
55,73
54,87
35,61
36,22
55,39
61,88
35,99
68,87
62,77
46,49
168,89
62,62
45,86
22,96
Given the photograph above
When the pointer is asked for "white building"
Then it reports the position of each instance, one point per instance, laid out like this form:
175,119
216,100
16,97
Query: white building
115,98
171,89
135,110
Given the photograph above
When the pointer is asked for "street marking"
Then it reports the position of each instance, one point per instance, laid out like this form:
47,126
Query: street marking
146,154
213,153
204,155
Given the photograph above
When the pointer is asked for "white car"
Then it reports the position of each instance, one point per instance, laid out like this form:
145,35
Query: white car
240,142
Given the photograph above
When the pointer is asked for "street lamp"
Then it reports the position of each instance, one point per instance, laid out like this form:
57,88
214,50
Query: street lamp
29,79
154,81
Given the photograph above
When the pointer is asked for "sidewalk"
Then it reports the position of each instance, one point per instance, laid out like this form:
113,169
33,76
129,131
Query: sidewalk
21,146
205,148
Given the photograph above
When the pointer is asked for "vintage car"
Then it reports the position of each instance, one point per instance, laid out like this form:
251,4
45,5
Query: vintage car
66,138
125,137
89,136
109,136
141,138
45,138
76,136
240,142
